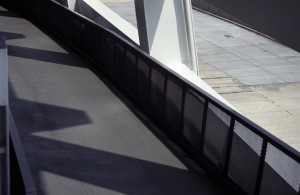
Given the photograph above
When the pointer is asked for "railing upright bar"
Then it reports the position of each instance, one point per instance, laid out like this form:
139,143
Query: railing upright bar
4,121
203,126
149,83
165,93
261,166
229,144
182,108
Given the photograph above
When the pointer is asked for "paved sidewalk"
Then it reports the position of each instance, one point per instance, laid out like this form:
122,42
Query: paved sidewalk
257,75
79,137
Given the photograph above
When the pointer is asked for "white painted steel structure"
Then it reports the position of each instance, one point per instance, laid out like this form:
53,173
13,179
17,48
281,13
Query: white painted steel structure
166,31
165,28
100,13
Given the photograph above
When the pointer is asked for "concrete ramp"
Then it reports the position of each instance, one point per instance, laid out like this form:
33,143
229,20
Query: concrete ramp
79,134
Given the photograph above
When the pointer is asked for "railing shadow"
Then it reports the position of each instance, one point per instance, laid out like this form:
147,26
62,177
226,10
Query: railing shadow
106,170
113,172
11,35
44,55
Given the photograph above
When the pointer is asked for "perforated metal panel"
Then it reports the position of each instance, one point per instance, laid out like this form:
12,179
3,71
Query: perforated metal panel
216,135
281,173
157,91
119,61
251,139
143,80
130,70
173,104
192,118
244,158
104,51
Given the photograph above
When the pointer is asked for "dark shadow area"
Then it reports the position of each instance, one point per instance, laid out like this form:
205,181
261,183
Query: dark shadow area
38,117
9,14
10,35
44,55
105,169
114,171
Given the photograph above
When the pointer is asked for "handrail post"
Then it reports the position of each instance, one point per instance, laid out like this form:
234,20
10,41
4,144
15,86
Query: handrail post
229,144
4,124
261,166
203,126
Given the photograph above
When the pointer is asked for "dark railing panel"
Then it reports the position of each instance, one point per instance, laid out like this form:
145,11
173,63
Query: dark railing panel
119,62
105,48
143,78
281,174
157,97
239,150
192,118
130,71
174,97
216,135
245,157
93,42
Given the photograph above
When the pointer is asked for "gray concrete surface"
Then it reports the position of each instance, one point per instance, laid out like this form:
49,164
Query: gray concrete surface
79,137
257,75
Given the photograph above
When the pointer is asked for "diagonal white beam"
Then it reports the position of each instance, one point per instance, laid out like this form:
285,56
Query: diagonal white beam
166,31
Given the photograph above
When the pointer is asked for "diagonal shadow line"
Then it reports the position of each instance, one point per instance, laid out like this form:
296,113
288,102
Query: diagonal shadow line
112,171
10,35
45,55
9,14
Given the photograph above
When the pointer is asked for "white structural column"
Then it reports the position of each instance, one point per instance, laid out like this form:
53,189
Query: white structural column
71,4
166,31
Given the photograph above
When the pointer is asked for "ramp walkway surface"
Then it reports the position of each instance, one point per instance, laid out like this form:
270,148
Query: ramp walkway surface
81,137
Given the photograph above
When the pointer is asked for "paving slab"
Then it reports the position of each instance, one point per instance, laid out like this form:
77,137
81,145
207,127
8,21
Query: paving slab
244,97
262,79
249,71
290,77
278,70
